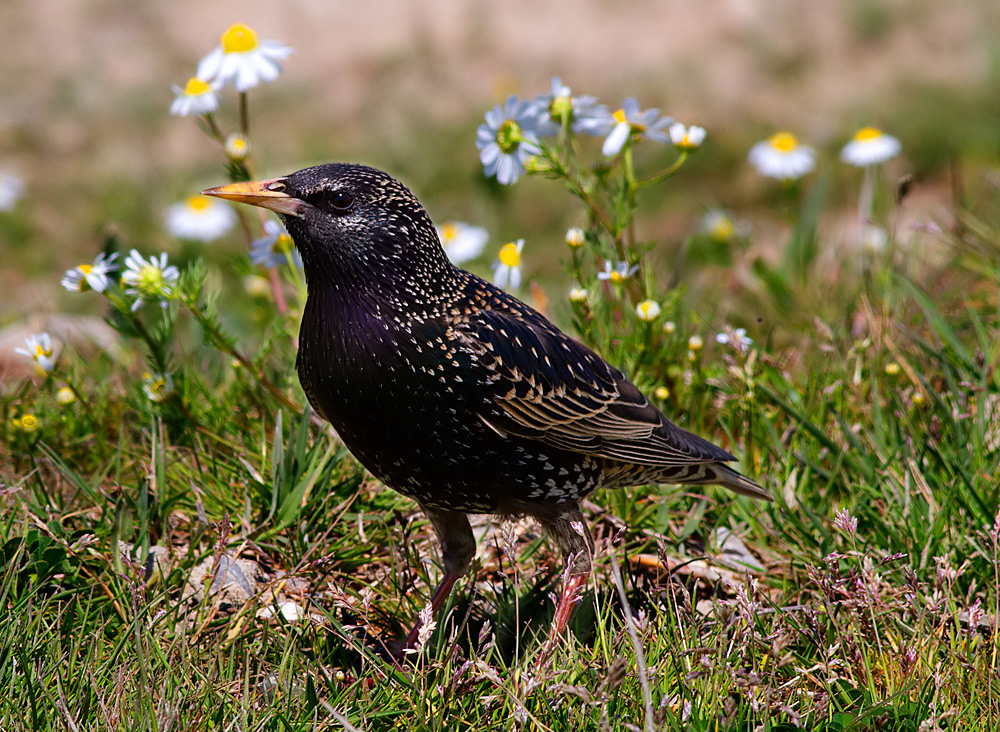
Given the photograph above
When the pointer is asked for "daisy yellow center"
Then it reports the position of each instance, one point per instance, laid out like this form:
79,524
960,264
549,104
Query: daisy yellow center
449,232
784,142
723,229
195,86
41,351
619,116
646,307
150,280
157,386
866,134
198,204
86,269
509,136
239,39
617,276
509,255
561,107
29,423
282,244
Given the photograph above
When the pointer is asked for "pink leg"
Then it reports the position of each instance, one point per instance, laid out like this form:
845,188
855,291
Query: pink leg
571,594
437,600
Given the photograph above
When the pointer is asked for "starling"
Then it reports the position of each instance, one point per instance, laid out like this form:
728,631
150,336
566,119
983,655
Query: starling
453,392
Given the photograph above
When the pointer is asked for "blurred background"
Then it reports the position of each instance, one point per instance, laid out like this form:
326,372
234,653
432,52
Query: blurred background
402,84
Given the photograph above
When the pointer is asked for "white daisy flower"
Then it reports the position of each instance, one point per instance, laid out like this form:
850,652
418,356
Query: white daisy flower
243,60
584,113
617,272
686,138
662,393
274,248
157,386
873,238
695,343
93,276
149,280
578,295
721,226
575,237
65,396
629,121
11,189
199,218
195,97
870,146
737,337
237,147
507,268
508,138
461,241
41,349
647,310
782,156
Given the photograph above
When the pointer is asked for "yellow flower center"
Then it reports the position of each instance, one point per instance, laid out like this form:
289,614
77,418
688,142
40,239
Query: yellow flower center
449,232
784,142
150,280
561,107
195,86
509,136
616,276
157,386
29,423
865,134
619,116
86,269
282,244
198,204
723,229
239,39
41,351
509,255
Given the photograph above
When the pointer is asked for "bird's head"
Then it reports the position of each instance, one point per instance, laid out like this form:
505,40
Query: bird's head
348,221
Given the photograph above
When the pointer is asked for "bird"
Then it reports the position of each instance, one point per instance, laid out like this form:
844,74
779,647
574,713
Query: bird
452,391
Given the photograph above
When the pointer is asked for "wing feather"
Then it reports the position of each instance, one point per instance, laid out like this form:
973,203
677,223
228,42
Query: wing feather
544,385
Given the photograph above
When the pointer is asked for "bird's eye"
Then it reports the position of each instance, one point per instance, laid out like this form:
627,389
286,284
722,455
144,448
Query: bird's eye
341,200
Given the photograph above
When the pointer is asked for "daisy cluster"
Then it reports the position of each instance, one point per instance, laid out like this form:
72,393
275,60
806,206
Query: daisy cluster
240,59
244,61
785,157
142,280
513,131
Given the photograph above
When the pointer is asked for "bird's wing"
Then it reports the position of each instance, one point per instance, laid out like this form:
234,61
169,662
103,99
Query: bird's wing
544,385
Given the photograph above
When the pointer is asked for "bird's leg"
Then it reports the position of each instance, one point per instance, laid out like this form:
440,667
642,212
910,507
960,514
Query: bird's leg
458,546
565,527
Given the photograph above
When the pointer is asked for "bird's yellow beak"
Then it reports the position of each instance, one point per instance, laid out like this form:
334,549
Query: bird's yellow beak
268,194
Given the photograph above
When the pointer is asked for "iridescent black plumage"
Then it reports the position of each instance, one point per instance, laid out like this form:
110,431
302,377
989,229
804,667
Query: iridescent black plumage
448,389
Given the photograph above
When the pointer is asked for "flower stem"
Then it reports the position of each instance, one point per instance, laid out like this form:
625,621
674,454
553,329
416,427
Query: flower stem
244,115
223,344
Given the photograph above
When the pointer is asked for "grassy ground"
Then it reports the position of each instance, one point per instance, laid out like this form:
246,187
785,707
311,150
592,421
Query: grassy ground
219,562
216,560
